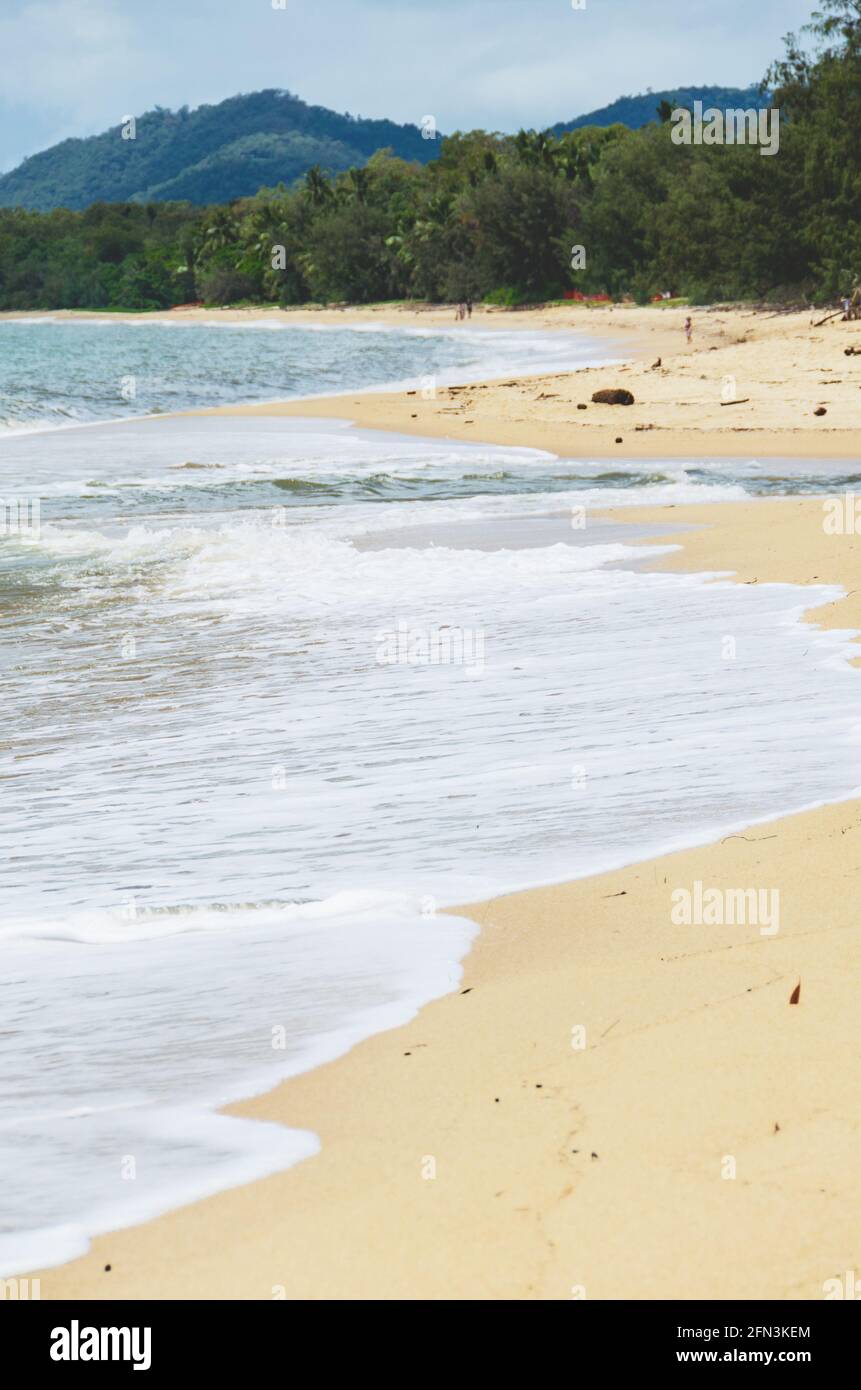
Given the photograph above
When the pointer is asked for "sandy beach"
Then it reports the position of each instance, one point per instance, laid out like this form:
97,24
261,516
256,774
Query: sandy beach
748,385
612,1106
560,1170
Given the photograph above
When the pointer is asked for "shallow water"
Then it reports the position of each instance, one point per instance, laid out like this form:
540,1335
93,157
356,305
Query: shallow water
62,371
252,749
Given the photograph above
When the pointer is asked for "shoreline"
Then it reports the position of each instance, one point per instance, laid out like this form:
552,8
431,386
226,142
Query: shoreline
772,363
744,378
747,386
607,1176
594,1173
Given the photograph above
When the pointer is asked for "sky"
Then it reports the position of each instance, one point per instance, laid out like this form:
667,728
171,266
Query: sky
76,67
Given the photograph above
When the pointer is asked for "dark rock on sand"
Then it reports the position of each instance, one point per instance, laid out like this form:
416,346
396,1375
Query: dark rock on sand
615,396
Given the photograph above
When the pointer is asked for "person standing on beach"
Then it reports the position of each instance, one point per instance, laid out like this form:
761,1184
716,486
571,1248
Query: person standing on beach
469,308
689,328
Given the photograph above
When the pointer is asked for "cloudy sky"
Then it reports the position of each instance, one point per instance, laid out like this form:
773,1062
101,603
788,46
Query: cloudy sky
75,67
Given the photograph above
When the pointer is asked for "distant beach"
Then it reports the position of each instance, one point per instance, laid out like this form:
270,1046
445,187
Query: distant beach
750,385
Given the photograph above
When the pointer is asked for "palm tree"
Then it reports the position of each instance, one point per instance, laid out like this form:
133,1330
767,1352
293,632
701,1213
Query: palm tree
317,186
360,182
219,231
535,147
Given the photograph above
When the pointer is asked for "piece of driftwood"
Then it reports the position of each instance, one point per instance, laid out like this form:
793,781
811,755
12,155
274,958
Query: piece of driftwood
744,400
827,317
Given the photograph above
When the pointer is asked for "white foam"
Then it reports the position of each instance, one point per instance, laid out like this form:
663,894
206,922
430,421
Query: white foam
135,1131
253,822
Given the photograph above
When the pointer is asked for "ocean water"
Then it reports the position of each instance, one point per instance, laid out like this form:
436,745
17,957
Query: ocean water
278,692
62,371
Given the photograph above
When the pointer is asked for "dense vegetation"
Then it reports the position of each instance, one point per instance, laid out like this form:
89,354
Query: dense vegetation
497,216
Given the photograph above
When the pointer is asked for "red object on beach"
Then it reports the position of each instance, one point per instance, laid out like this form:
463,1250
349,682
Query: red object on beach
582,298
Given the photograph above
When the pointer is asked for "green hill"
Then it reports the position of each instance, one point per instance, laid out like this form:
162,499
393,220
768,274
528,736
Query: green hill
211,155
217,153
637,111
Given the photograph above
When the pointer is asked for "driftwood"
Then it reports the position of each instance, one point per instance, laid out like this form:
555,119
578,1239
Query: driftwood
744,400
827,317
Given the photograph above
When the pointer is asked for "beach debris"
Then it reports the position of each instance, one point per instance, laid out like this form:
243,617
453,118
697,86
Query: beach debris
776,1127
616,395
655,365
618,439
743,400
796,994
107,1269
820,410
852,352
644,427
580,406
751,839
467,991
827,317
594,1155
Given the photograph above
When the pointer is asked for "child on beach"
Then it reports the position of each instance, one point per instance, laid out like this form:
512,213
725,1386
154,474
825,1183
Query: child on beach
689,328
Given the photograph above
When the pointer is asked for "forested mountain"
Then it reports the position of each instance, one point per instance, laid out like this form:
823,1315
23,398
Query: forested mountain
218,153
211,155
635,112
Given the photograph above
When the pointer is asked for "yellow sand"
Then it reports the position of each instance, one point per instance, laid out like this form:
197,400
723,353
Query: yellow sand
778,366
776,369
560,1169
